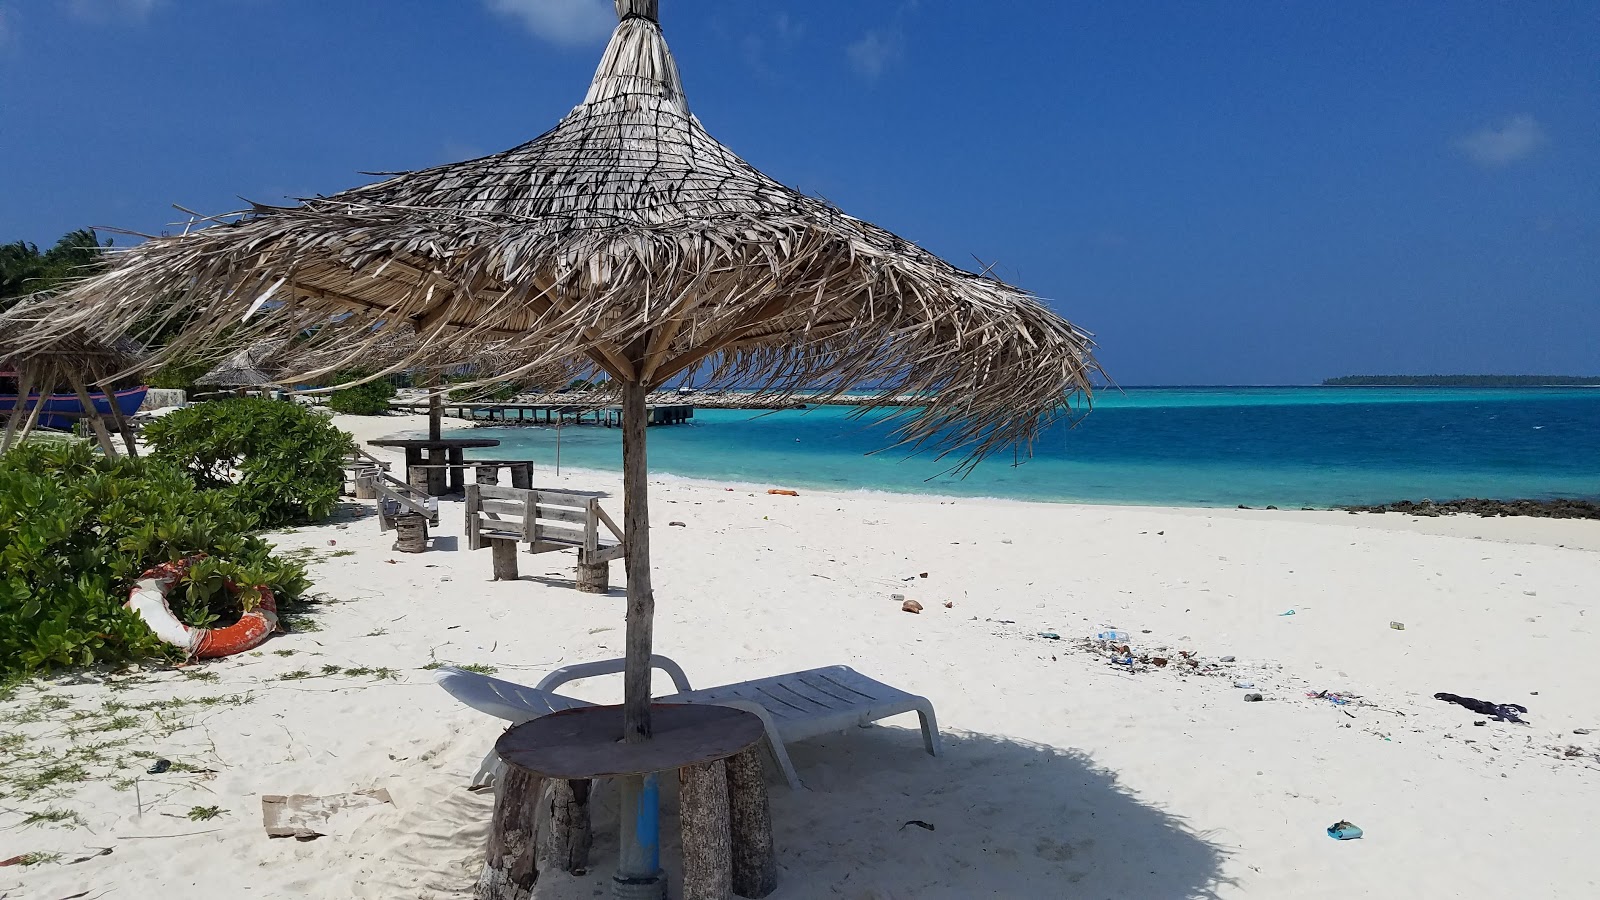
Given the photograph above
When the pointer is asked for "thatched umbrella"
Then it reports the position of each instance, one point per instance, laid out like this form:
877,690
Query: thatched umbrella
252,366
629,240
72,356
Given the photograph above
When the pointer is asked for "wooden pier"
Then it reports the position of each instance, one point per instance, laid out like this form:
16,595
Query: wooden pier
550,414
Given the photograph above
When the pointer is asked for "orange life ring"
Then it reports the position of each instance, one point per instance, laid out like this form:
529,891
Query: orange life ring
148,598
782,492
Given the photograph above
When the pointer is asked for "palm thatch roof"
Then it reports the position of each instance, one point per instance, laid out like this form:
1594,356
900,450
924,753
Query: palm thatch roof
628,239
252,366
97,355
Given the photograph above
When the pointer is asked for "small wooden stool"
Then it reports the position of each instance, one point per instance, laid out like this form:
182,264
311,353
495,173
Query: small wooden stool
411,533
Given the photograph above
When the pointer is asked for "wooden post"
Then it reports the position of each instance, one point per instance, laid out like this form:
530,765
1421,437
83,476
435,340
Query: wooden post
505,559
416,476
119,420
44,380
522,475
641,599
488,474
566,844
510,867
593,577
437,473
755,864
24,387
367,482
707,840
411,533
436,409
101,435
458,469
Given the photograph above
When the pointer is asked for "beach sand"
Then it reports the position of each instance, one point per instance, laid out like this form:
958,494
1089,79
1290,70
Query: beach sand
1063,776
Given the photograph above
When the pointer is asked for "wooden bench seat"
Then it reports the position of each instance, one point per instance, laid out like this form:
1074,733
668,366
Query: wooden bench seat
503,517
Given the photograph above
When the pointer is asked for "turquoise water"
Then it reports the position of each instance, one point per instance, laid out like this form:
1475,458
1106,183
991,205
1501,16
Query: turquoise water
1290,447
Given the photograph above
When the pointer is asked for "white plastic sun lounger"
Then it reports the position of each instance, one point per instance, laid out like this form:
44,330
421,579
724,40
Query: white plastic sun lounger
792,707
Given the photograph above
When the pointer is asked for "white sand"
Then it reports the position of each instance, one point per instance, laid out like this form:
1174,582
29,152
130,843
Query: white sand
1063,776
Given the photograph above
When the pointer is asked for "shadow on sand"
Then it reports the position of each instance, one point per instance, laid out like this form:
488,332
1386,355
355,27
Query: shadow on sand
1008,819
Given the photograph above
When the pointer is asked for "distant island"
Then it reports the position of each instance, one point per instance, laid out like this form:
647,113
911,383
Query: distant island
1478,381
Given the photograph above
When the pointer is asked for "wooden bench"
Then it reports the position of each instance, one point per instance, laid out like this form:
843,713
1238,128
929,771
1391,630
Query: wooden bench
545,520
400,506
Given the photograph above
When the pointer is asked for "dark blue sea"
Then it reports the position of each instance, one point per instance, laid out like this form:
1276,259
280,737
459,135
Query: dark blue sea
1210,446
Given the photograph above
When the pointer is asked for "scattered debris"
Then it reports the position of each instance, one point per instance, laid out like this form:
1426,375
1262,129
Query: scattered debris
305,817
949,604
911,606
783,492
1253,698
1287,613
1500,712
1244,685
922,574
1580,731
160,765
1228,659
897,596
1398,626
1343,831
917,822
1050,635
678,524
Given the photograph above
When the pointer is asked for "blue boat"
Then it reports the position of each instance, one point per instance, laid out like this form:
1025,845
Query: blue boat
60,411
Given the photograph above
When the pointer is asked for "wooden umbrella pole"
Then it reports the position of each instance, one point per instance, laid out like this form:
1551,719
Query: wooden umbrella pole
18,412
641,600
92,414
436,410
639,875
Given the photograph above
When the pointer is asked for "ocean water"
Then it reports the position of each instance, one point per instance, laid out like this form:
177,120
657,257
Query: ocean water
1288,446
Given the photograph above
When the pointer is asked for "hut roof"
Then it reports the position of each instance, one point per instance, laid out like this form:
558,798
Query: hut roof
629,238
28,333
253,366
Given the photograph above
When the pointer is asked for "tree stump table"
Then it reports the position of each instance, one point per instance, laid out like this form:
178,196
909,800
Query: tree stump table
724,817
442,473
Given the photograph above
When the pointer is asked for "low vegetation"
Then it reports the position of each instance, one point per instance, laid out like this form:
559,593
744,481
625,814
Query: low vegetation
76,529
367,399
278,462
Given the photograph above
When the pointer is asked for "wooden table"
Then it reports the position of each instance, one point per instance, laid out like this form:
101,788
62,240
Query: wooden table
724,817
444,455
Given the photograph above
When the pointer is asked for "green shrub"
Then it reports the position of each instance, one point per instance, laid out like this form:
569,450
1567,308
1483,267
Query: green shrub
178,375
368,399
277,461
77,528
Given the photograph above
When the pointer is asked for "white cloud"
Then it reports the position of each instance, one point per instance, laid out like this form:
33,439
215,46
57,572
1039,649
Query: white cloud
561,21
103,12
1505,143
876,51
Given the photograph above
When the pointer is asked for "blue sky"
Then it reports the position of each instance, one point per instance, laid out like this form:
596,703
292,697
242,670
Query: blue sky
1243,192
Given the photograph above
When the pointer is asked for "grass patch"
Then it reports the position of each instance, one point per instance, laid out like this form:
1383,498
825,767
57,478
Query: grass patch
330,669
199,674
296,675
480,668
339,554
38,859
433,665
204,813
283,653
63,817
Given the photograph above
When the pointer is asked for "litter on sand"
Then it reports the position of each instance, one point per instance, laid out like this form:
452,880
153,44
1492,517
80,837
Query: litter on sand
1344,831
306,817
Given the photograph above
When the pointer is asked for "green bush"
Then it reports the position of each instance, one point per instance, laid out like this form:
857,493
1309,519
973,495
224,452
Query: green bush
368,399
178,375
77,528
277,461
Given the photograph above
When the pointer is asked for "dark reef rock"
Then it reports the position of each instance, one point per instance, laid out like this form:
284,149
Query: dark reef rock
1545,509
